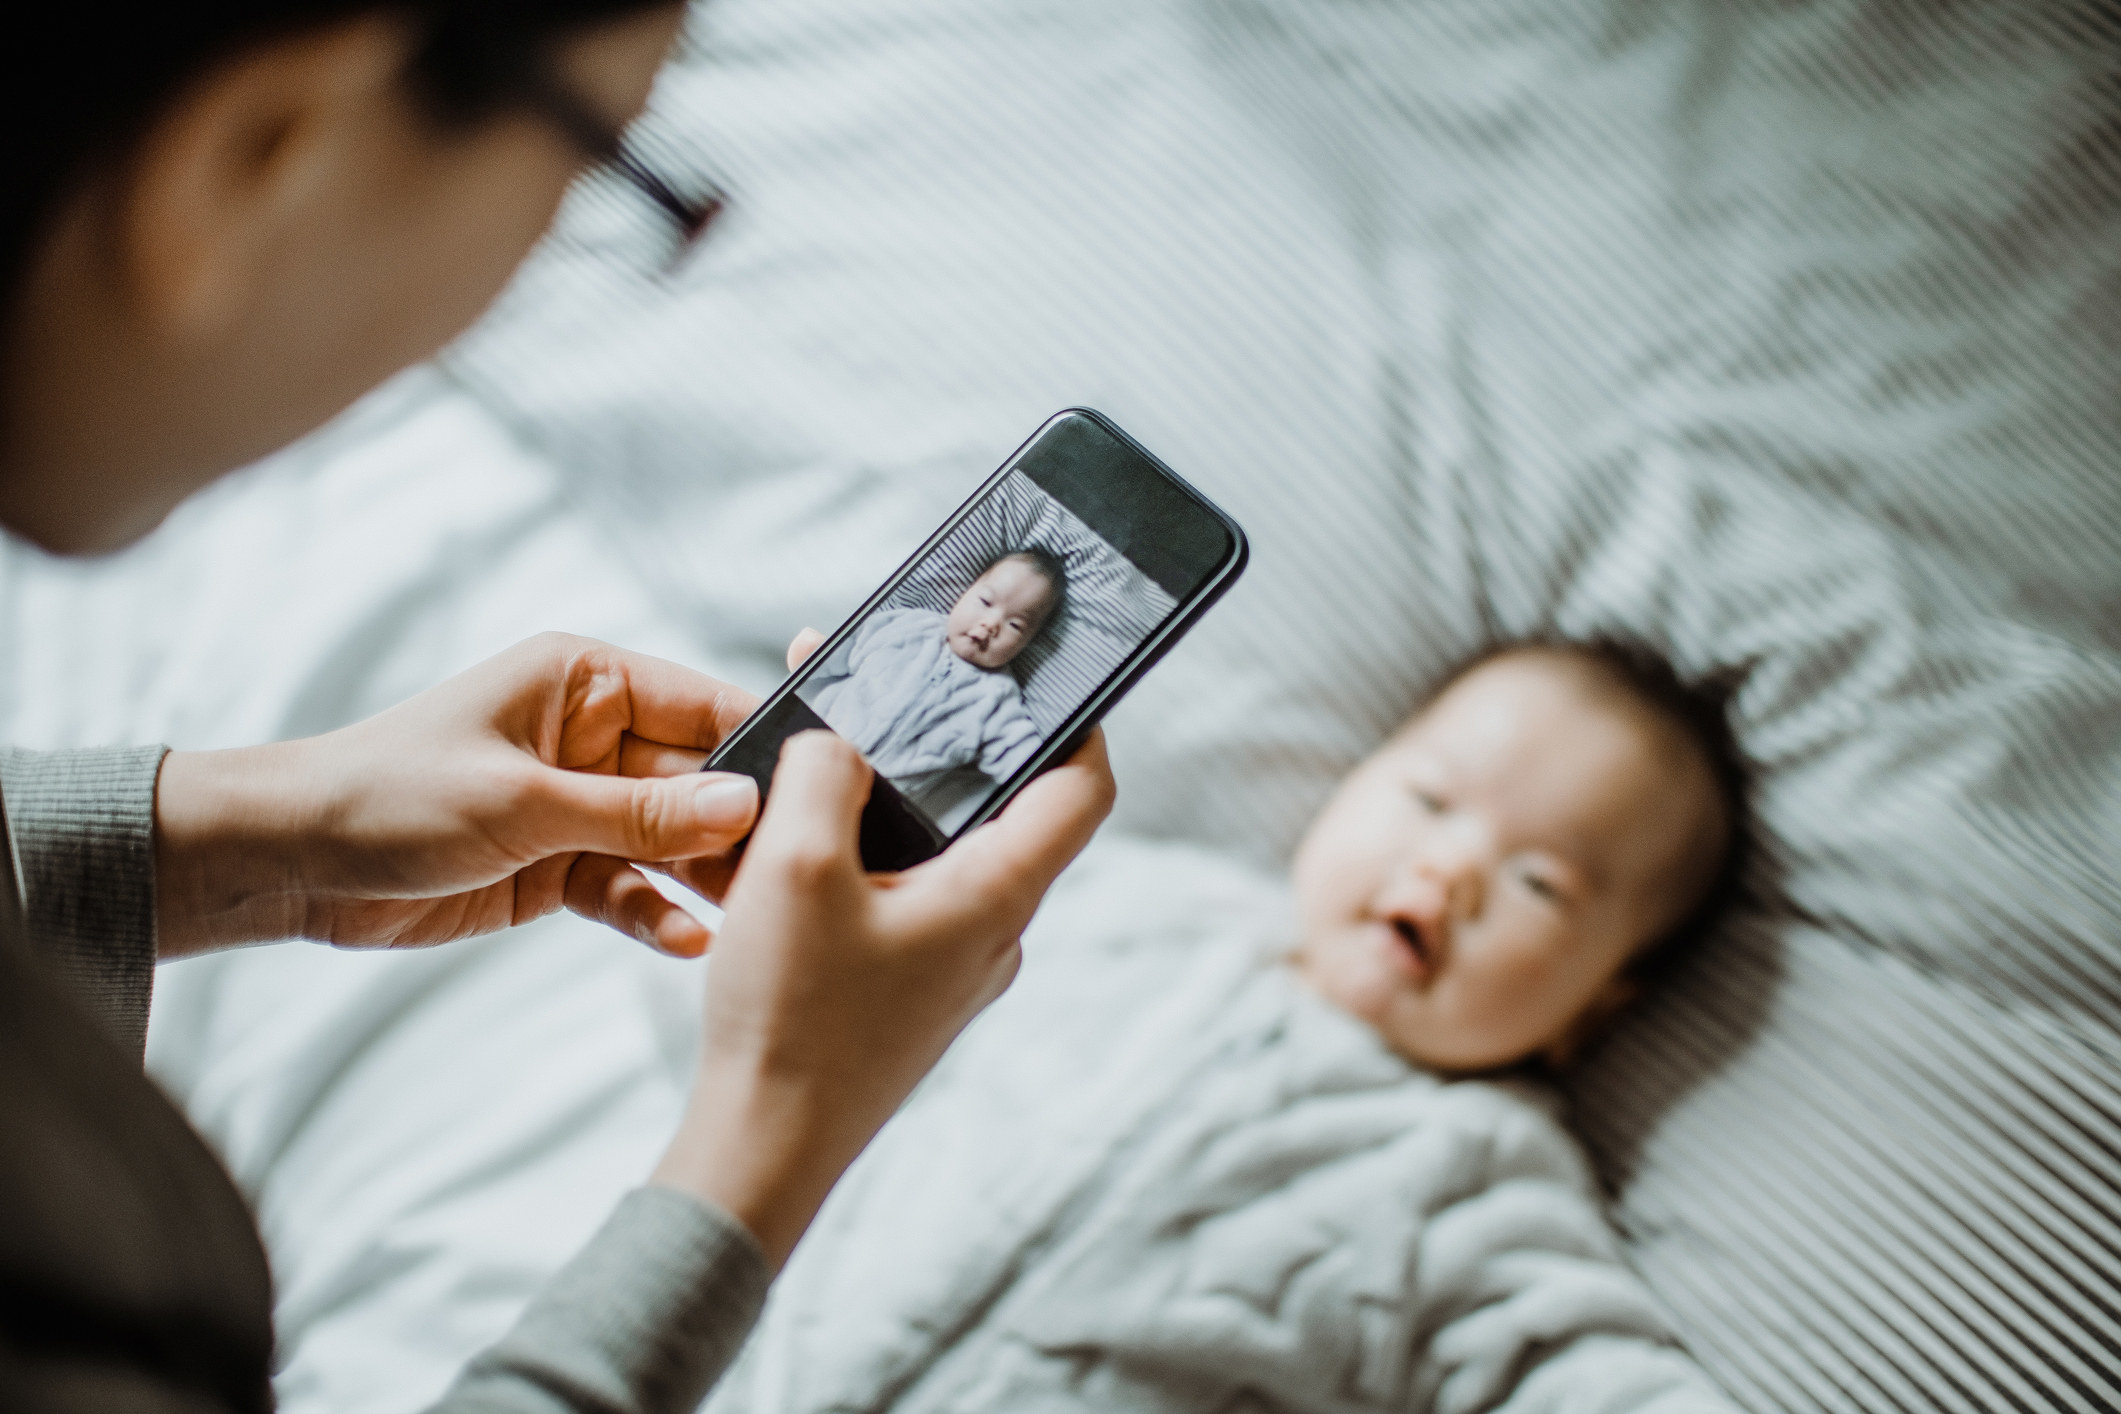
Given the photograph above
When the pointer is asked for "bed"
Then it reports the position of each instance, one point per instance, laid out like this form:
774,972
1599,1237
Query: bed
1782,335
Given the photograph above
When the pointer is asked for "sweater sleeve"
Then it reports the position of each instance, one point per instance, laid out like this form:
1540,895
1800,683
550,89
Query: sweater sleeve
82,829
643,1321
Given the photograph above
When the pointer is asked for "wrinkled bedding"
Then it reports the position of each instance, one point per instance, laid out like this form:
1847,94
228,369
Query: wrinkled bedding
1161,1175
1778,334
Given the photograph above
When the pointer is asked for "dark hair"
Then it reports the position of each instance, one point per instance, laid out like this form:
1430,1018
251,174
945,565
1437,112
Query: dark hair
1700,710
1052,566
80,82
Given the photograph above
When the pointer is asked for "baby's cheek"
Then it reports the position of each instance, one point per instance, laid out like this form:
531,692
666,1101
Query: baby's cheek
1518,998
1327,874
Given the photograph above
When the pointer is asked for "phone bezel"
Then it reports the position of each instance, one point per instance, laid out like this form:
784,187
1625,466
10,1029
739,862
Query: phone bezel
1072,731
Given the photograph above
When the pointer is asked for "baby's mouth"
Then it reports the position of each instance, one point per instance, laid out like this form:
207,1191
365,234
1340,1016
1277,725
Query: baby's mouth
1409,933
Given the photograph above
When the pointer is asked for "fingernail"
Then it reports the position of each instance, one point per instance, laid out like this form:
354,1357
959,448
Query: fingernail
726,801
680,938
689,948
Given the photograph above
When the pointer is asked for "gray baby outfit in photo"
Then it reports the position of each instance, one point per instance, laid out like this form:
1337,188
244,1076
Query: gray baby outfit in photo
914,707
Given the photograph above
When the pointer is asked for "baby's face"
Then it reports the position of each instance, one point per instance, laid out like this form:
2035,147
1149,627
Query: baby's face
1002,612
1476,888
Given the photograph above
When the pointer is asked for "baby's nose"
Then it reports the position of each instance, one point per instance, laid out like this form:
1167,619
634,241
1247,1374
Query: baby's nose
1416,893
1455,882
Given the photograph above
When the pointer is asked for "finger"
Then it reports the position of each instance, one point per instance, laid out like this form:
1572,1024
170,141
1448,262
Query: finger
674,704
708,876
1038,835
665,702
650,818
614,893
812,822
638,757
800,647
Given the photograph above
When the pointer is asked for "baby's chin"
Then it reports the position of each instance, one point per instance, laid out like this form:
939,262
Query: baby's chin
971,655
1377,996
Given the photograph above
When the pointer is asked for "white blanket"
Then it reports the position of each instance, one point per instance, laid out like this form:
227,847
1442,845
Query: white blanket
1162,1175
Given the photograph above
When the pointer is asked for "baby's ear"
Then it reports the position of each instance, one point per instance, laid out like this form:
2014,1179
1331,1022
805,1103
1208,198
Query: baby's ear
1615,997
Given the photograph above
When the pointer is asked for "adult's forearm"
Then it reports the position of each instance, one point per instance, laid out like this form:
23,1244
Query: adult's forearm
643,1321
764,1148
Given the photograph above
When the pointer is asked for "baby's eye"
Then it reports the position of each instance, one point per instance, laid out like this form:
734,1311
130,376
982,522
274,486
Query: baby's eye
1428,800
1540,886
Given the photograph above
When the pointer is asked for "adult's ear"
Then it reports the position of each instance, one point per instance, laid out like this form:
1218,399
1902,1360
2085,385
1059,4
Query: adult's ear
1589,1024
228,167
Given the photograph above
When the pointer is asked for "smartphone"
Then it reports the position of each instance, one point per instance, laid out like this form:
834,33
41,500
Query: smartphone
988,656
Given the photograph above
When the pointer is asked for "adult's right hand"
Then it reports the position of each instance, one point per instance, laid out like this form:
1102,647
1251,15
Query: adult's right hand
833,991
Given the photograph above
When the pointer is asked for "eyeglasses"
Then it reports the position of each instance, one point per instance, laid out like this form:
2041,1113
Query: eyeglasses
693,216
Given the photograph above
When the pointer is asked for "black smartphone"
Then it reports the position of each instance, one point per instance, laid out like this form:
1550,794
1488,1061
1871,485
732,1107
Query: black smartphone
987,657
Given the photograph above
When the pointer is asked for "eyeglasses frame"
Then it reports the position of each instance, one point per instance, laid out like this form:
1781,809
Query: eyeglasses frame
542,94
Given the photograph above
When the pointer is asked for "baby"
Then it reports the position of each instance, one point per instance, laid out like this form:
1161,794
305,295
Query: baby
920,692
1486,888
1230,1145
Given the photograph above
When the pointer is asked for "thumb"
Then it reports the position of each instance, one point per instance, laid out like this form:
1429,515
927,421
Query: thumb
813,819
649,818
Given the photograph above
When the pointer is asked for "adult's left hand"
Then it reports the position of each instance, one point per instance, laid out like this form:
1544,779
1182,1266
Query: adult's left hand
543,778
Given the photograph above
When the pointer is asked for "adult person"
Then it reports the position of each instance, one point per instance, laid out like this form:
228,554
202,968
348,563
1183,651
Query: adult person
222,222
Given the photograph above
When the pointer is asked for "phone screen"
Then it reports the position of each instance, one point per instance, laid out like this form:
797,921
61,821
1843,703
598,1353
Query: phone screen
1004,636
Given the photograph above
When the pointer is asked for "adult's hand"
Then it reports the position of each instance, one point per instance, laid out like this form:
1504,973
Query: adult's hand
833,991
537,780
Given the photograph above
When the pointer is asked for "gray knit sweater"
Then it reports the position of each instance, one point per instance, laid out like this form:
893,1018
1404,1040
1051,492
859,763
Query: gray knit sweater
642,1321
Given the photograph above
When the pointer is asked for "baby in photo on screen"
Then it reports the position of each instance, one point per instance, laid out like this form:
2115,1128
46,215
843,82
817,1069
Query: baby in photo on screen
919,692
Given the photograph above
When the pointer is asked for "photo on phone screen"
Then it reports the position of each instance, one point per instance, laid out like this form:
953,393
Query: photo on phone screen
1005,635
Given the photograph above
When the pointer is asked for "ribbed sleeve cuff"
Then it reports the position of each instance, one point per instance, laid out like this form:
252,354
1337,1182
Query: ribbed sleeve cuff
83,828
643,1321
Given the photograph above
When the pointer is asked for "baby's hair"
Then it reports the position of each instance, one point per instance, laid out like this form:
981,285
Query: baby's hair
1700,711
1052,566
